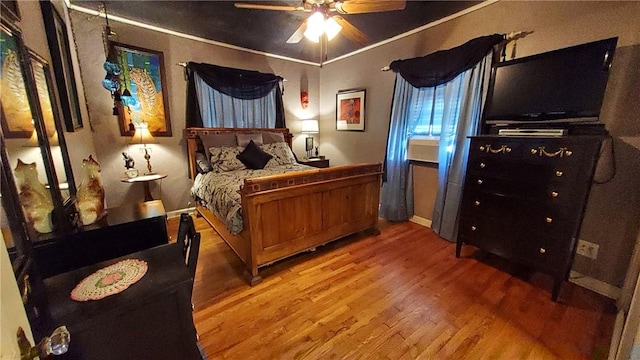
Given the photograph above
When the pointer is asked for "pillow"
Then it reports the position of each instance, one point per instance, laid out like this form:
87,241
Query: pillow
217,140
202,165
281,153
243,139
224,159
253,157
272,137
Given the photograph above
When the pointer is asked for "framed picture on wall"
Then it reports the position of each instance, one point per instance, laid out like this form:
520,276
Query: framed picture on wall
58,40
350,110
143,76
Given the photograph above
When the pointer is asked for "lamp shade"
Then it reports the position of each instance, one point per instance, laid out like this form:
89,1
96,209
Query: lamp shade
142,135
309,127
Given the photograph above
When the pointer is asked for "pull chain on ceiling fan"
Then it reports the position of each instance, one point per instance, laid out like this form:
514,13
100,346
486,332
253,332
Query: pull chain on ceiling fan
321,21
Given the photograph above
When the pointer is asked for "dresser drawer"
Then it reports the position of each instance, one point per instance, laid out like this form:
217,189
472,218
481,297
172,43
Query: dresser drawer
560,193
492,235
524,171
548,254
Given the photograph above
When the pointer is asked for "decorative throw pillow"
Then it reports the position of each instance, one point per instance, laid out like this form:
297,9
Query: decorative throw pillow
272,137
202,165
217,140
282,154
253,157
225,159
243,139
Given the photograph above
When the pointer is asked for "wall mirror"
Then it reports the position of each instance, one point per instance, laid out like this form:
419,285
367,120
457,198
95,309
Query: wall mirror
35,163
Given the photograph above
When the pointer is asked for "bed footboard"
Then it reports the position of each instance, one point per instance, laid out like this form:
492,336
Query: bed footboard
290,213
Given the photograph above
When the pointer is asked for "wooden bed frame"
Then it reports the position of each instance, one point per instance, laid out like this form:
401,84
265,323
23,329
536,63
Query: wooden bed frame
286,214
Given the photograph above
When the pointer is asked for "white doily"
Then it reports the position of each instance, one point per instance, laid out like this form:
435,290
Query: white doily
110,280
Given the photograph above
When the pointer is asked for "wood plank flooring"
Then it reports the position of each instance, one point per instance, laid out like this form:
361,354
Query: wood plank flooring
398,295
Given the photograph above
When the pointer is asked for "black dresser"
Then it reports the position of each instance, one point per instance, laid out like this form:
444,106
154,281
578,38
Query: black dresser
524,199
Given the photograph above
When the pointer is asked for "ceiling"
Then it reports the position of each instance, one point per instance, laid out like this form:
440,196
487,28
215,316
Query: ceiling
267,31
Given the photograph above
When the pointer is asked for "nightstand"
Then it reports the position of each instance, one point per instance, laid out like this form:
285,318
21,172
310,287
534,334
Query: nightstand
319,163
145,179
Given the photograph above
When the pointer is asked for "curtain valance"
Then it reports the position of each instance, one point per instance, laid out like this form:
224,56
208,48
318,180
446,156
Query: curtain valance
237,83
444,65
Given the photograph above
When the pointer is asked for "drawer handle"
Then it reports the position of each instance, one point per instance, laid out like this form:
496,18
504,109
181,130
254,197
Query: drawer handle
473,228
482,165
480,182
503,149
476,203
548,220
559,173
560,153
542,250
554,194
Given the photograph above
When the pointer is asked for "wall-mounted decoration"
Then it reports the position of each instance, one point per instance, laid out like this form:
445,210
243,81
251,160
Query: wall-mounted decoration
10,9
62,66
142,75
16,112
350,110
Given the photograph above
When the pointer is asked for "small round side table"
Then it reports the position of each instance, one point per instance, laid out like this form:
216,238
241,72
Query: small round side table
145,179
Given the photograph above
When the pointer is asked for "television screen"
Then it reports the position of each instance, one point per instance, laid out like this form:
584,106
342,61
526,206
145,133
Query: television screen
565,85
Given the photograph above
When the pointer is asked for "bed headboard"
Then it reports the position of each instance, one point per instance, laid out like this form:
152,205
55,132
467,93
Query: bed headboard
193,140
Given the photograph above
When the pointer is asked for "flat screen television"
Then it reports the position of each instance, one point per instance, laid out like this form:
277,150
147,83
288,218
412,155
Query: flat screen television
555,87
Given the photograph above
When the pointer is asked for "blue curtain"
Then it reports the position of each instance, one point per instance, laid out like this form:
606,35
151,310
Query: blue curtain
220,110
464,97
396,203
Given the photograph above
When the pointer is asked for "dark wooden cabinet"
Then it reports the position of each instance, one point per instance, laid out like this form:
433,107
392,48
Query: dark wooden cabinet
524,199
319,163
152,319
124,230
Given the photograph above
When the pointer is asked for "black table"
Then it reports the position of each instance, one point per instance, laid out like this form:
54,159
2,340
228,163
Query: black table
124,230
152,319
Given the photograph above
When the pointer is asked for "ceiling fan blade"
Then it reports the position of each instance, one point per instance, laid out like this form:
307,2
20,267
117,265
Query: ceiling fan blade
351,31
240,5
368,6
298,34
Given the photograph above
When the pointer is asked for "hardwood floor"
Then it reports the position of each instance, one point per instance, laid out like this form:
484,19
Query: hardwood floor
399,295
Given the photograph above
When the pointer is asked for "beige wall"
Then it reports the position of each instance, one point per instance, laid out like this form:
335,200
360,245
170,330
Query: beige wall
169,155
612,215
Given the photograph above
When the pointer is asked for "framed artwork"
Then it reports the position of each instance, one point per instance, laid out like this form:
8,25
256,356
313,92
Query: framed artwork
16,111
350,110
10,9
62,66
143,76
308,145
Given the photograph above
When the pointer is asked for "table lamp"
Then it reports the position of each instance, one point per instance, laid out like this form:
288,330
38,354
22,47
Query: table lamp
144,137
309,127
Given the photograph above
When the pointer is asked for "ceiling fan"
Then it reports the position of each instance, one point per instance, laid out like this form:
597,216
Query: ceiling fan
324,19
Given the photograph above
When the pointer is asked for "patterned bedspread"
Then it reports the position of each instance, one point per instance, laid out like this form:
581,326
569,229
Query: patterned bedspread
220,191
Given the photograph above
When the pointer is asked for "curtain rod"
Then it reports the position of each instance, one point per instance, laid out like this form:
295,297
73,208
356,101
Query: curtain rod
184,65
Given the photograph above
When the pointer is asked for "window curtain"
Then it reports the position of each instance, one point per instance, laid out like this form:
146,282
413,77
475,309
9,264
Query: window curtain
433,71
222,83
220,110
460,120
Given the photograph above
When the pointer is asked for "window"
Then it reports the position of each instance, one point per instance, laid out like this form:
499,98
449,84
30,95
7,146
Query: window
429,109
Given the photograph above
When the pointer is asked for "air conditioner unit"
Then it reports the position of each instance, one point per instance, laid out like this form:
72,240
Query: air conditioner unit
423,148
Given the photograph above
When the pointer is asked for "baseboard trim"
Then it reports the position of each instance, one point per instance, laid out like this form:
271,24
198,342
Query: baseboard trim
176,213
420,221
595,285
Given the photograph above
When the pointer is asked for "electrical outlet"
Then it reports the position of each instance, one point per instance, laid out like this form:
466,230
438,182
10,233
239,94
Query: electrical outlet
587,249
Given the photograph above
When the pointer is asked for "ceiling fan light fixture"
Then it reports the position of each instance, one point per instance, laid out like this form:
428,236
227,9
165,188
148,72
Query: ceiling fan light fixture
332,28
315,26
